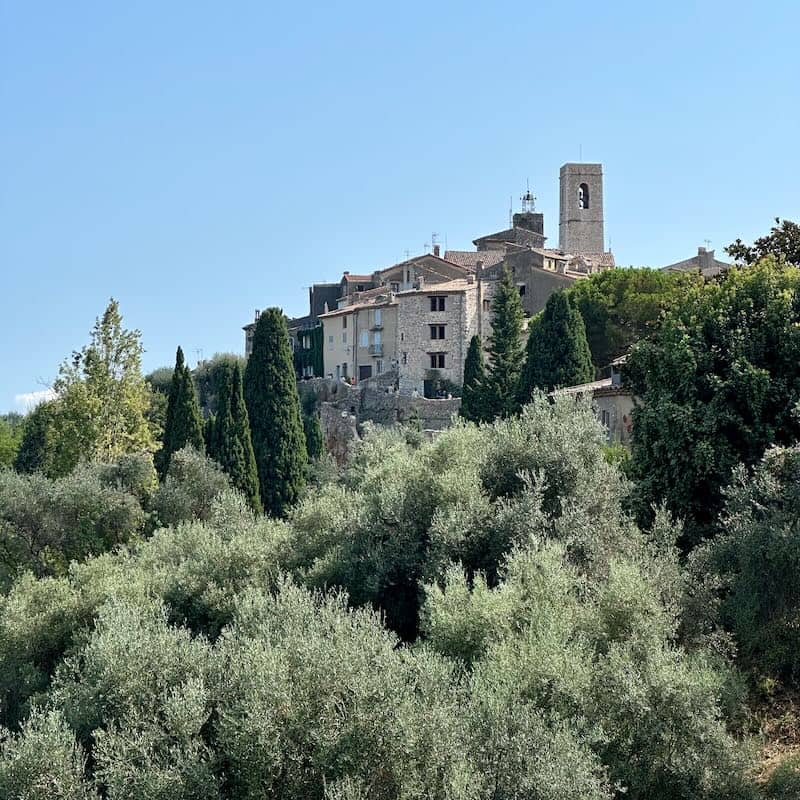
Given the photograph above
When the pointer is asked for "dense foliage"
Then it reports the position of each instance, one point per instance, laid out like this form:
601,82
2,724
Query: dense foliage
621,306
209,661
505,349
473,392
273,405
719,381
102,399
183,426
557,353
782,242
229,442
11,432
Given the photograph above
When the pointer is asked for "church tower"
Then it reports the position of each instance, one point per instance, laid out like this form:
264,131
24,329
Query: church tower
580,228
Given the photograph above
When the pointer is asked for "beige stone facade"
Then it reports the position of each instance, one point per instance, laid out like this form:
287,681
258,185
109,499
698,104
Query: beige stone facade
360,340
435,324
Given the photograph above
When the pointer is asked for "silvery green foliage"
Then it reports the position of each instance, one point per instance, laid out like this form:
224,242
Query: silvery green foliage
189,488
46,523
43,761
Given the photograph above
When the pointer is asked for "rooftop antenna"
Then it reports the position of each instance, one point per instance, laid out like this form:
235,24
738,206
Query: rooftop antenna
408,254
528,200
510,210
708,243
198,351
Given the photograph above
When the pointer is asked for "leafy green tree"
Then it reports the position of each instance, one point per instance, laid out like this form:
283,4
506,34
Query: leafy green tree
315,444
36,447
782,242
230,444
43,761
11,431
46,523
719,381
103,399
473,400
207,376
505,349
189,489
273,404
184,425
756,560
557,353
621,306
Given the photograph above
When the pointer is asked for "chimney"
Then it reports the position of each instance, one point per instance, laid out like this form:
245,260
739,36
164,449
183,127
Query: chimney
420,282
258,314
436,250
470,278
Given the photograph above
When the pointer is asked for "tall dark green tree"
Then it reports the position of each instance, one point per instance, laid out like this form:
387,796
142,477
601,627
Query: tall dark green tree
270,392
473,400
184,425
35,450
230,444
505,349
313,432
557,353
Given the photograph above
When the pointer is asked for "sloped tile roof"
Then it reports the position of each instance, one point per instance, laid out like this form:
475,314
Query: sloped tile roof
470,258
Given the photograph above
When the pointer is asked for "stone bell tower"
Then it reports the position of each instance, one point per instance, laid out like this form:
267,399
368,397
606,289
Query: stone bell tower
580,228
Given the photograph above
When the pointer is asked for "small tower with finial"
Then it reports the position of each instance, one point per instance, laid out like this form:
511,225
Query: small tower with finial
529,218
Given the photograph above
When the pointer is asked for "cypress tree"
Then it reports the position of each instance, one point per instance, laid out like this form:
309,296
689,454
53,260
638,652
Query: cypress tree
313,431
230,444
473,401
505,349
183,426
270,393
557,353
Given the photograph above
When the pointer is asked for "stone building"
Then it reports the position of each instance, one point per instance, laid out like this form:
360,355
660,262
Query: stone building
581,222
704,263
612,402
435,323
360,339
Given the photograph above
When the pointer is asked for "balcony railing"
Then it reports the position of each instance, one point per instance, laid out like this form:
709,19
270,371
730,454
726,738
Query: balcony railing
376,326
376,349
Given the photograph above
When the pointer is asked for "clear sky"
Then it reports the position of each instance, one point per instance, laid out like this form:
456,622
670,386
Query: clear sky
200,160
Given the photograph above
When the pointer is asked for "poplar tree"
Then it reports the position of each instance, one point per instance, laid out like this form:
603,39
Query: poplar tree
473,401
184,425
230,443
557,353
270,393
505,349
314,439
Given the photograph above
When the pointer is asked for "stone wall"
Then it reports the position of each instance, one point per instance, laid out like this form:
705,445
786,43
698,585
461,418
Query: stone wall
581,229
344,409
460,321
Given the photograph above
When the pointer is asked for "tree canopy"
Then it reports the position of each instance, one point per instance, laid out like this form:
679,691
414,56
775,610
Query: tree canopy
184,425
557,353
505,349
473,391
719,382
782,242
621,306
273,405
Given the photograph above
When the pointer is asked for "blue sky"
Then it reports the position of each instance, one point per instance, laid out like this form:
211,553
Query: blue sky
200,160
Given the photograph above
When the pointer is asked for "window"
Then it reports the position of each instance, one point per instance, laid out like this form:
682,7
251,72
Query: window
344,322
344,337
402,337
405,358
487,306
437,303
395,286
437,331
583,196
365,338
521,287
605,417
376,337
378,316
379,367
437,360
